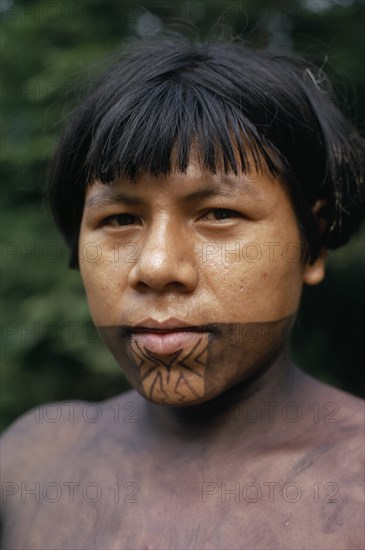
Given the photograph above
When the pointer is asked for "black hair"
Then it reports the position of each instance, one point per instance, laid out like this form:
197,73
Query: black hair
238,105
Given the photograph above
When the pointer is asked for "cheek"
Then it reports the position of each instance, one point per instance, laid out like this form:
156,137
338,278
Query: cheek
257,284
282,288
103,278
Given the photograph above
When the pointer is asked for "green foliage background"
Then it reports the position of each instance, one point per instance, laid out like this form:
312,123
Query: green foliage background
51,51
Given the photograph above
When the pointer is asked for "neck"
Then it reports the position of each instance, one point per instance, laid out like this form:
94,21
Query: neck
272,383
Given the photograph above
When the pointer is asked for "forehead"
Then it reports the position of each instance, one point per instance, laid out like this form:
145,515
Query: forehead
193,185
179,186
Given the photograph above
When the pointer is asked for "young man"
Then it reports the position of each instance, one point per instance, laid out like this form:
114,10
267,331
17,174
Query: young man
198,187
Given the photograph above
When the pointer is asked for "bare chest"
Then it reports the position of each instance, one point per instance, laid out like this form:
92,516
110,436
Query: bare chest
158,507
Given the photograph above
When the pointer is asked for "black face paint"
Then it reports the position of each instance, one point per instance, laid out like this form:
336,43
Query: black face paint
222,355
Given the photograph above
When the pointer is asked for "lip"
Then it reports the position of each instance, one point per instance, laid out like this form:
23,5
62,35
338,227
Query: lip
166,337
167,342
172,324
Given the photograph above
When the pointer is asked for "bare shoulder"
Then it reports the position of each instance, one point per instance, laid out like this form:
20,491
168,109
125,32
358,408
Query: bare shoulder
39,433
60,456
325,464
333,435
53,429
337,427
337,421
332,405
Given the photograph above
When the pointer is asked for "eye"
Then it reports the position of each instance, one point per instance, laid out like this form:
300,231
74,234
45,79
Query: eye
216,214
120,219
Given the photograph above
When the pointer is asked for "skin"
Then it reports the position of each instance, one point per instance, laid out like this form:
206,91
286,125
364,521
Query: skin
174,232
232,420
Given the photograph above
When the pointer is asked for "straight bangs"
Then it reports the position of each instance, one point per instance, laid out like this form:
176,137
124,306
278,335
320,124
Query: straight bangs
166,102
155,129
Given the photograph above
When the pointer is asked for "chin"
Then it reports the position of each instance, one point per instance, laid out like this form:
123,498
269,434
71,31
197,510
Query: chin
176,403
174,399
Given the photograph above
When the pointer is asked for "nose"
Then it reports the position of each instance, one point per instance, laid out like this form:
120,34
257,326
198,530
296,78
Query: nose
165,261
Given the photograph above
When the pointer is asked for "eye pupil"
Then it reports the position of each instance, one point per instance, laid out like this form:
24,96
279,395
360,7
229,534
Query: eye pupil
222,214
124,219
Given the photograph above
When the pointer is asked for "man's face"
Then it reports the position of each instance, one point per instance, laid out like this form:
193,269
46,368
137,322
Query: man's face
208,266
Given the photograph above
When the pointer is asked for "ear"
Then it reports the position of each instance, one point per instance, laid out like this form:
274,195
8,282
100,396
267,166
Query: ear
314,273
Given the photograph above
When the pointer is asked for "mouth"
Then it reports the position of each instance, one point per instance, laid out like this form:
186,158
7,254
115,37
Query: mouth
166,337
169,325
166,343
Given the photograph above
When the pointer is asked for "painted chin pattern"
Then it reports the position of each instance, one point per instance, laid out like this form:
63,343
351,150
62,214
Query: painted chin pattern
177,378
199,366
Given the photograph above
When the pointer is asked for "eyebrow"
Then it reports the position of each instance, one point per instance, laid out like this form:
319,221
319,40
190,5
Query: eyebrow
109,196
